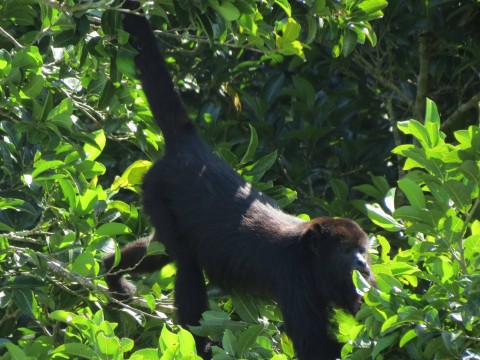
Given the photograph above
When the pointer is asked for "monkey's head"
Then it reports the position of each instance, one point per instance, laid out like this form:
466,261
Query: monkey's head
336,248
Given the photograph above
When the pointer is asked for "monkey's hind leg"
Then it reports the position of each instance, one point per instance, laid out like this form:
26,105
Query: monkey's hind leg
191,299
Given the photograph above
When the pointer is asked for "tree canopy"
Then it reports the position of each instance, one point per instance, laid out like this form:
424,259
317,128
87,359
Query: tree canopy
365,109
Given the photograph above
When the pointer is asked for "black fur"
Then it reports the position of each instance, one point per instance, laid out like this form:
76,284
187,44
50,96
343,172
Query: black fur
211,220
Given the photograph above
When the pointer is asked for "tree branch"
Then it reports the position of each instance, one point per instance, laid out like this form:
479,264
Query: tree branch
474,101
61,270
396,135
422,79
376,73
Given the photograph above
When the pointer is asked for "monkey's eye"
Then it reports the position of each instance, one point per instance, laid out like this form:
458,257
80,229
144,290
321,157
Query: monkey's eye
345,248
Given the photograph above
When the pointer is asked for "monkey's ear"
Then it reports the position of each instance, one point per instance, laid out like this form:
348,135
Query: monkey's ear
313,239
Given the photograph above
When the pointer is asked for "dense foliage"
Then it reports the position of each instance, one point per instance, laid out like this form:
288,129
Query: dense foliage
308,100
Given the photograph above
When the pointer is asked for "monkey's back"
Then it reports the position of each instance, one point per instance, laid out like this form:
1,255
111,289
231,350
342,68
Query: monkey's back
216,213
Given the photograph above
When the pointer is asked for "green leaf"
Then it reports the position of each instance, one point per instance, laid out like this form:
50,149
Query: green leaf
167,339
372,6
261,166
132,176
349,42
5,62
90,169
113,229
42,166
229,342
26,302
291,30
319,7
228,11
312,30
368,10
68,190
417,130
187,343
34,86
145,354
9,203
389,200
437,190
252,146
470,169
380,218
415,215
472,245
94,150
61,115
108,345
304,90
126,345
387,283
273,88
247,338
106,96
62,315
409,335
111,21
281,195
86,202
385,247
30,58
384,343
285,5
76,350
390,323
287,345
16,353
431,112
402,268
369,190
246,308
359,281
453,229
287,43
86,265
460,194
125,61
66,38
413,192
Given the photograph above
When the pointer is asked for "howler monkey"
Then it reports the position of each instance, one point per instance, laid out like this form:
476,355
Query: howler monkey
211,220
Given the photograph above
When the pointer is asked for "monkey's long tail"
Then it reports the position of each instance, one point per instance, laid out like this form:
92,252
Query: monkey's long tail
165,103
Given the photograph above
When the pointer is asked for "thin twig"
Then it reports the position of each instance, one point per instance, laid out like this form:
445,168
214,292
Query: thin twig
76,8
11,38
85,108
25,239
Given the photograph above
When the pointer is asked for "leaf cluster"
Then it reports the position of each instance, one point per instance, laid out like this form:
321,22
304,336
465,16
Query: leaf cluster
294,96
426,303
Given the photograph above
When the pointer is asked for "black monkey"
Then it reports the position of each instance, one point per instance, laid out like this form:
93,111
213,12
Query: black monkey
211,220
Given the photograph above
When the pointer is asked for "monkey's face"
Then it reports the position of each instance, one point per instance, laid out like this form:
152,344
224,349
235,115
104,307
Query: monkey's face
346,258
338,247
